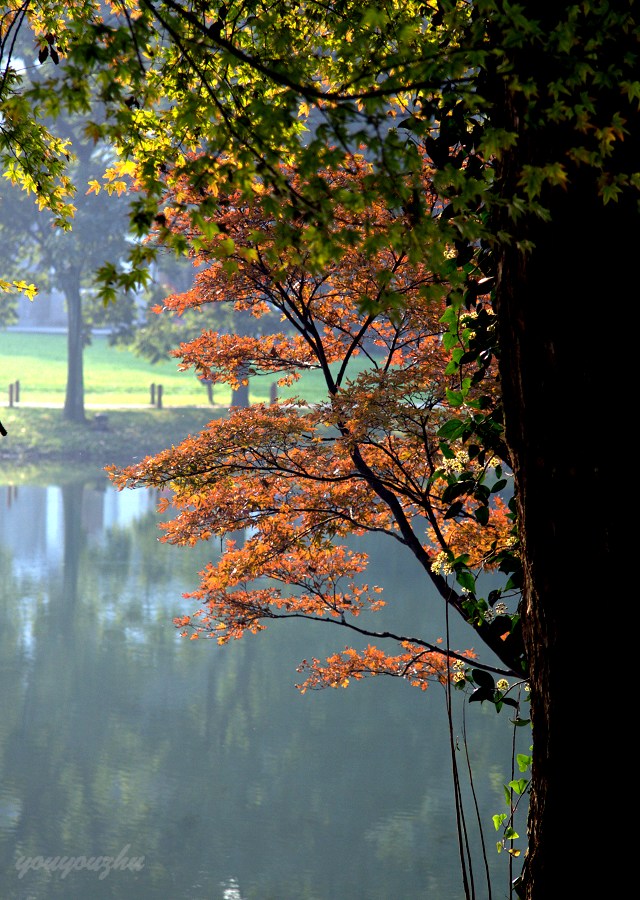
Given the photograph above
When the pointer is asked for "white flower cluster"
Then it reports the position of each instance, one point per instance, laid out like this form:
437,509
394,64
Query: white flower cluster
500,609
458,666
456,465
441,564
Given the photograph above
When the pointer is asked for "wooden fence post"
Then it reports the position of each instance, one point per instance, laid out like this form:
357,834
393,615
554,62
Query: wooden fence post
159,401
11,395
153,395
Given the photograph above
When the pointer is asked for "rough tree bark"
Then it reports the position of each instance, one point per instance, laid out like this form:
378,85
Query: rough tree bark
561,310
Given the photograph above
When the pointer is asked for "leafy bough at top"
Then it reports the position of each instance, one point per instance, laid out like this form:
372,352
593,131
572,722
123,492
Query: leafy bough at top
239,80
165,92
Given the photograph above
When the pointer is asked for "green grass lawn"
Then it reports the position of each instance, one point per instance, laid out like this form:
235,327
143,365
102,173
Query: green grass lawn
112,376
116,377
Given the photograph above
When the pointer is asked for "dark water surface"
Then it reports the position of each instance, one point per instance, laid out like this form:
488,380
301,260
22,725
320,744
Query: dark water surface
200,770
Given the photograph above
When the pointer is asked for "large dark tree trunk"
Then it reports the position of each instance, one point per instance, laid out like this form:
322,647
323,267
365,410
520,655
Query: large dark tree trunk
74,397
559,374
561,311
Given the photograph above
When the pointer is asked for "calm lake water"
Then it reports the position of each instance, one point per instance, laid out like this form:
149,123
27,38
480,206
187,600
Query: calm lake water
201,769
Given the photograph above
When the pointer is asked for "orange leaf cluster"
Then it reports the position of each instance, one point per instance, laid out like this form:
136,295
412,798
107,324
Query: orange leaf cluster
416,665
313,581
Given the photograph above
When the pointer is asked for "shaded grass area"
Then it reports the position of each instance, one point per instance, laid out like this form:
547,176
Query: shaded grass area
41,436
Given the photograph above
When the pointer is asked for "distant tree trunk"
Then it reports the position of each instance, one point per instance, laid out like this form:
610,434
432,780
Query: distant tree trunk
209,386
74,398
240,396
560,364
243,325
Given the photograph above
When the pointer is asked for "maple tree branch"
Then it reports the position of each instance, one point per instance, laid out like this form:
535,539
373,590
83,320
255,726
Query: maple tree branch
390,635
14,26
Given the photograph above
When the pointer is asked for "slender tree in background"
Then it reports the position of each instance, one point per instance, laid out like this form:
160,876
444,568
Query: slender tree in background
528,114
66,261
57,258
